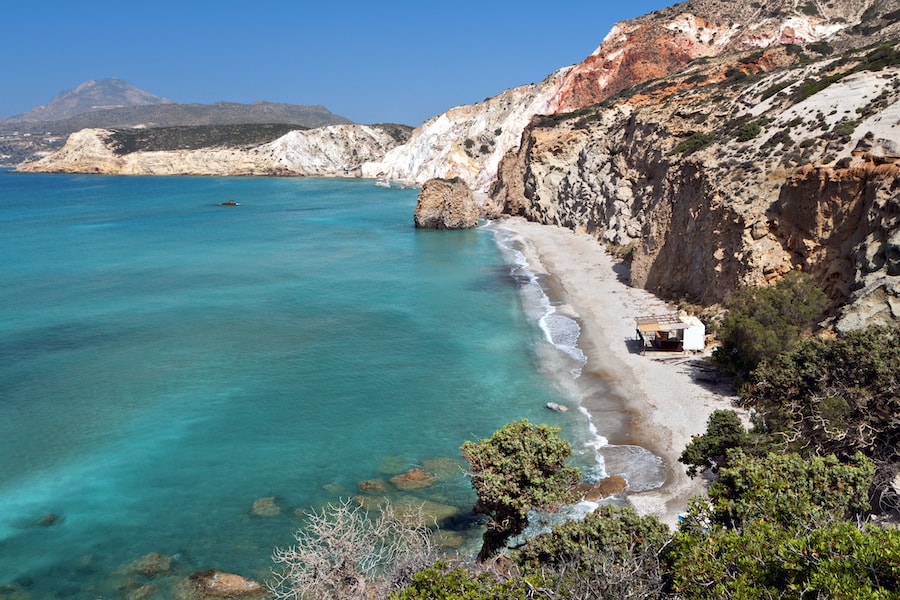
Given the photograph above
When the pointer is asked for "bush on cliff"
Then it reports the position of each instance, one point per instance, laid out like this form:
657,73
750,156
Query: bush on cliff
783,526
762,322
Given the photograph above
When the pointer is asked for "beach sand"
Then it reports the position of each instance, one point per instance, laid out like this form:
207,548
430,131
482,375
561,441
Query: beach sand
666,403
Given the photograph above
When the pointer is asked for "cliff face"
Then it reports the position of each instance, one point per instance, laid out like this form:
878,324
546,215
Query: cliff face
325,151
733,171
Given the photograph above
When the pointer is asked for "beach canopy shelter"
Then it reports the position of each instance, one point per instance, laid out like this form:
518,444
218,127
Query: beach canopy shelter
672,332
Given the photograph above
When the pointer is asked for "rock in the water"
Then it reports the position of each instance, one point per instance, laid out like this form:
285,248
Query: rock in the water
374,486
606,487
446,204
151,564
444,468
416,512
371,504
413,479
214,585
557,407
49,519
265,507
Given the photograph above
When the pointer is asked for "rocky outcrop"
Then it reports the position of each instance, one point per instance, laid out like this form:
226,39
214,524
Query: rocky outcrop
446,204
414,479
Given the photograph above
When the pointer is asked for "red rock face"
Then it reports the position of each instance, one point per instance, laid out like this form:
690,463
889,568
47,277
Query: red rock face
628,57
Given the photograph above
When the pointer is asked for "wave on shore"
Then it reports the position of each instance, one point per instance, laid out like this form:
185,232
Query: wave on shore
563,361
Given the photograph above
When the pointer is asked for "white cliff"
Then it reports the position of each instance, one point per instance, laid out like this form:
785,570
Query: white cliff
467,141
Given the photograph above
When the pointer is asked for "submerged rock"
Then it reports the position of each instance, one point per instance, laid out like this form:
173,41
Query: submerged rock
151,564
446,204
444,468
265,507
375,486
213,584
413,479
423,513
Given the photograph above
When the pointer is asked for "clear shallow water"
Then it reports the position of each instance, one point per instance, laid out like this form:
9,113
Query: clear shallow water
165,361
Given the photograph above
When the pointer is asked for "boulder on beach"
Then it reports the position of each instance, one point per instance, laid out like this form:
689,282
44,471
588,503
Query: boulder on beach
414,479
216,585
265,507
446,204
606,487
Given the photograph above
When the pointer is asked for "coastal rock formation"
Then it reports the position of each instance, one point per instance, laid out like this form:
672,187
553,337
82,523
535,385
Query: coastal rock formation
723,144
606,487
446,204
216,585
335,150
467,142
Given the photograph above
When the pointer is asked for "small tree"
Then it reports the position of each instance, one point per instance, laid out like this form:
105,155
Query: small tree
724,431
344,553
763,322
522,466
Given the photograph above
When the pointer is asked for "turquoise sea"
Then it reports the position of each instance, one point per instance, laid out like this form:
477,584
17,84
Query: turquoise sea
166,361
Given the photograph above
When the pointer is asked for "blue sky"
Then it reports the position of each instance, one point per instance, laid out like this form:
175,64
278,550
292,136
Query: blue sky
372,62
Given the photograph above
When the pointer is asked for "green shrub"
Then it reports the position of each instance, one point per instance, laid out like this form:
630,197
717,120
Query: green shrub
748,131
836,396
520,467
611,553
724,431
763,322
696,142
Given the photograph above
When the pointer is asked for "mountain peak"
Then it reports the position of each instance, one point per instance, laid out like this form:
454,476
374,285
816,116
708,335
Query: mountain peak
90,96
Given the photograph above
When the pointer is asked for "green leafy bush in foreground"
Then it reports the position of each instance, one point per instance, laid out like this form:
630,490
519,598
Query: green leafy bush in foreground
520,467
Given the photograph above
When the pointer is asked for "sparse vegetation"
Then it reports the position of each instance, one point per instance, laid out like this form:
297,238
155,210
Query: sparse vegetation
748,131
345,553
697,141
193,137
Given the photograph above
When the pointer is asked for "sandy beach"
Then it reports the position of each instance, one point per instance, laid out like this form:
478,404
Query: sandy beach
667,404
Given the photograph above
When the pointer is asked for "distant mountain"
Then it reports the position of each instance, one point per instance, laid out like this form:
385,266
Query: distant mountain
117,104
91,96
220,113
111,103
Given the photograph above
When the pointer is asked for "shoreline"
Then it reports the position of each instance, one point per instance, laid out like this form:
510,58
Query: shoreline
662,404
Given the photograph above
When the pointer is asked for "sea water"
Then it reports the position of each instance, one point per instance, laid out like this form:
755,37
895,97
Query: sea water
166,361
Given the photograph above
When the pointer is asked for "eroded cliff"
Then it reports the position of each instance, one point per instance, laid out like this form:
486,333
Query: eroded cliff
733,171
